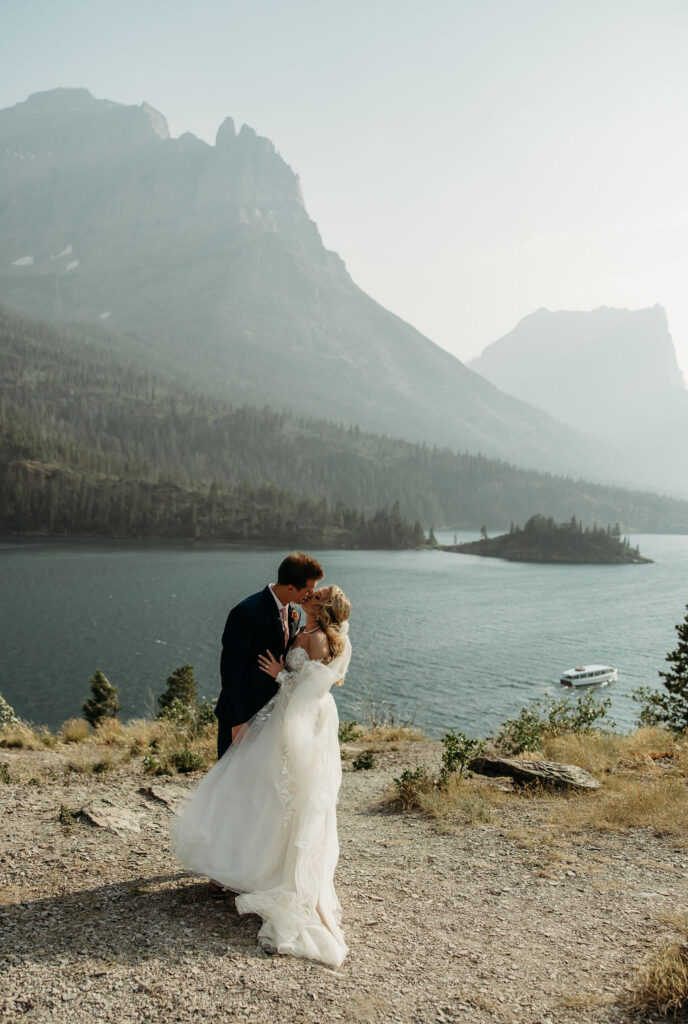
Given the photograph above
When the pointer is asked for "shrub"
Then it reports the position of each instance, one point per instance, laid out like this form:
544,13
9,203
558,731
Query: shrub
553,718
410,784
365,760
670,708
5,777
153,766
349,731
459,749
7,715
103,703
186,760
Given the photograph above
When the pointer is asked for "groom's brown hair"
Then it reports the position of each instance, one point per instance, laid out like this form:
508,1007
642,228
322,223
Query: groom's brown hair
298,569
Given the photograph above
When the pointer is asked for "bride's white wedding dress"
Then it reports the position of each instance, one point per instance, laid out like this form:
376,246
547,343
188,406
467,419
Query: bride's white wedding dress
263,820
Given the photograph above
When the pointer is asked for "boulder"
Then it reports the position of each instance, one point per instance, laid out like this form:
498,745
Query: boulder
550,772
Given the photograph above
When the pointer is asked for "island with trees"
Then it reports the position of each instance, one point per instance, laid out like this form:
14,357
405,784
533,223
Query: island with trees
543,540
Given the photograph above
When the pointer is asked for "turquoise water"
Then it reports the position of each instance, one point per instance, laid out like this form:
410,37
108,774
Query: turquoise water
450,640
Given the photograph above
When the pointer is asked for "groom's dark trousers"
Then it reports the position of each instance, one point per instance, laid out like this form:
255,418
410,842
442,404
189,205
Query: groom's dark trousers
253,627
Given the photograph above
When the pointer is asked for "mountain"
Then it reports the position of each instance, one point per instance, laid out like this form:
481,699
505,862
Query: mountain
93,441
206,258
610,372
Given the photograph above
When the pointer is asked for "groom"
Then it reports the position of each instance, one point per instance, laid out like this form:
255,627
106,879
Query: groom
266,621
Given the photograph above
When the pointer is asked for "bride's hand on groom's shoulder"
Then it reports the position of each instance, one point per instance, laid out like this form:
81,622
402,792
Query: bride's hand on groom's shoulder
269,664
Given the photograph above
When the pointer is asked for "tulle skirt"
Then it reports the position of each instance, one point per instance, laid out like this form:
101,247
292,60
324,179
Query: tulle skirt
263,822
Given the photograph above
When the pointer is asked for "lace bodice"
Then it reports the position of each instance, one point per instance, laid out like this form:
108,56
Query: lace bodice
296,658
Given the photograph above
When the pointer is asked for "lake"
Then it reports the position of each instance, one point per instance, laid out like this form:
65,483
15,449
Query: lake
448,640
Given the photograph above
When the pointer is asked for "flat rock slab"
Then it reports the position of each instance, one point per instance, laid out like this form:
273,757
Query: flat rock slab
106,814
168,795
551,772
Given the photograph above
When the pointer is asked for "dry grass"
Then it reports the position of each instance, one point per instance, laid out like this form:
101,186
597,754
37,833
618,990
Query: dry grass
459,799
598,751
111,732
390,734
587,1000
628,802
662,982
23,736
74,730
88,762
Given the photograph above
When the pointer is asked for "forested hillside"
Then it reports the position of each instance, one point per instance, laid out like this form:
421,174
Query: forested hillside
79,416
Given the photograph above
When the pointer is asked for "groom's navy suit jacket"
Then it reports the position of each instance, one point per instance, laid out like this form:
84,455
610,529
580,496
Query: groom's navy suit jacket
253,627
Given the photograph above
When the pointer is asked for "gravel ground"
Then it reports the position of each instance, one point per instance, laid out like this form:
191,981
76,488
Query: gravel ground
504,921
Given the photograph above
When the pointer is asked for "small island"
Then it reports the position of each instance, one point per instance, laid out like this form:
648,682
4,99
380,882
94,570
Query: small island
543,540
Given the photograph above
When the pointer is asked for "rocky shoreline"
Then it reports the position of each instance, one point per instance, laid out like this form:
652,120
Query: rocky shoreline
507,920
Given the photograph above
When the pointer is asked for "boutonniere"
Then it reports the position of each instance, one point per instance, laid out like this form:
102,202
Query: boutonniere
293,614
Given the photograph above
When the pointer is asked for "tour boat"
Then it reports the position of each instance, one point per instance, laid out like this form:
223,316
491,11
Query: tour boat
589,675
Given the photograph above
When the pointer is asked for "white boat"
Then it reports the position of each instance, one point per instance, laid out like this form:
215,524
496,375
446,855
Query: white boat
589,675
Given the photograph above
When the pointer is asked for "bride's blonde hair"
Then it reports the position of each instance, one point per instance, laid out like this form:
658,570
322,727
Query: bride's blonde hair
333,611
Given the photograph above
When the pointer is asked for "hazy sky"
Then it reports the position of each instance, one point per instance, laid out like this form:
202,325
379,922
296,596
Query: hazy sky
470,160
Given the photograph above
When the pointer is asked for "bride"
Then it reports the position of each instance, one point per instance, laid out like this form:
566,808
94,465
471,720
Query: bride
263,820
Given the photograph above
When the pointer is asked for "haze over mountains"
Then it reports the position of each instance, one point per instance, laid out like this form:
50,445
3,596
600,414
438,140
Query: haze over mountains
610,372
207,256
203,260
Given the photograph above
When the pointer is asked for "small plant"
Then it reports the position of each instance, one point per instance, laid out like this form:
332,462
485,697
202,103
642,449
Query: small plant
153,766
7,715
67,815
459,750
186,760
349,731
410,784
5,777
103,703
365,760
101,767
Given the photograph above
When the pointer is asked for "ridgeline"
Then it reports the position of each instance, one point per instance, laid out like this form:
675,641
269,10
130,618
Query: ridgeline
94,442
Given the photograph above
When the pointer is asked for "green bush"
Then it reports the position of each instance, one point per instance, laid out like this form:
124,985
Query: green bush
103,702
349,731
459,749
553,717
365,760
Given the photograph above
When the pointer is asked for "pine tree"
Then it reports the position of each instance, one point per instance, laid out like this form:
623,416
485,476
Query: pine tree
181,687
670,708
103,703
